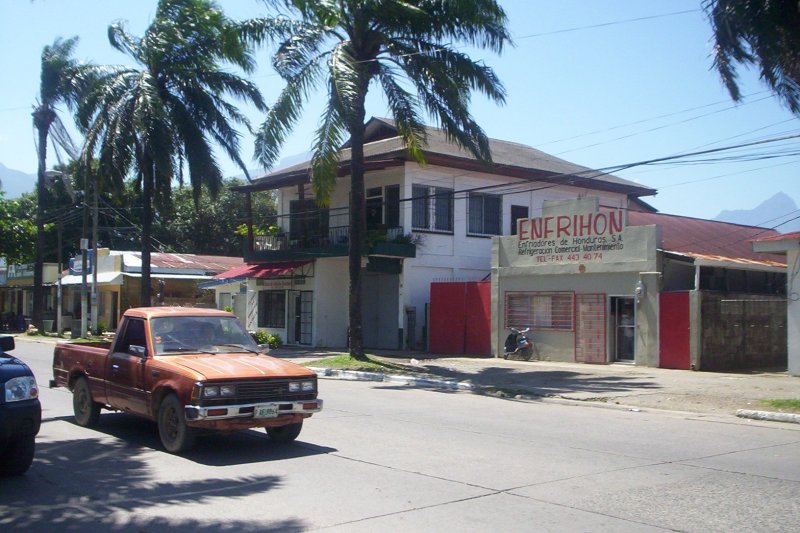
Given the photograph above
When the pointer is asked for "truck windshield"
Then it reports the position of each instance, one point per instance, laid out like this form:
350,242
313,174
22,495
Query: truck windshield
208,334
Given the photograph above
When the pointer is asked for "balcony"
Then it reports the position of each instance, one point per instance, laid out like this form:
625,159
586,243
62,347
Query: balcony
382,242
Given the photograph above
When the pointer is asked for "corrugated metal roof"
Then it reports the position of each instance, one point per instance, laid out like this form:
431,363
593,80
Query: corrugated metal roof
781,237
709,239
184,262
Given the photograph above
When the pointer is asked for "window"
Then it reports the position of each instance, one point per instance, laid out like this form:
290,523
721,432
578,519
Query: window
484,214
272,309
432,208
133,335
392,206
540,310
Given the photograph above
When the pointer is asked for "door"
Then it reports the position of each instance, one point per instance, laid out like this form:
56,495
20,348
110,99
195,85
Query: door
380,310
674,330
299,330
590,328
624,326
125,368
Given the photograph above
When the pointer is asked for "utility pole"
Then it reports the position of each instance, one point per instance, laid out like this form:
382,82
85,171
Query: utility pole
60,268
84,249
95,327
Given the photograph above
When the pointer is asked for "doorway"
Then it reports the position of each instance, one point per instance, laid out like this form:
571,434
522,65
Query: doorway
623,319
300,313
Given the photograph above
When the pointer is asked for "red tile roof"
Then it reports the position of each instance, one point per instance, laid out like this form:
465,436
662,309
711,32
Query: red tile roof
709,239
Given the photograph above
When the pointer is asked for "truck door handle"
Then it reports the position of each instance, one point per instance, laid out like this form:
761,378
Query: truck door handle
115,368
155,373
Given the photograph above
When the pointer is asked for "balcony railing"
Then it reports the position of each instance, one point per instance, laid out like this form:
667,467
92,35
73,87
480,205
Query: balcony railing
335,236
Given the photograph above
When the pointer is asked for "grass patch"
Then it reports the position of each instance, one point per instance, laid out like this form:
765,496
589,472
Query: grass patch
345,362
790,406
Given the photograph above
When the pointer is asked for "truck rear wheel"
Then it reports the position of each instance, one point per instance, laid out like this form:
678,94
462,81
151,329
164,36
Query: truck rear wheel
18,456
86,410
175,435
286,433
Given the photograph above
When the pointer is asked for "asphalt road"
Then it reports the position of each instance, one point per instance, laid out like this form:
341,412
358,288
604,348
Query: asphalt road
385,457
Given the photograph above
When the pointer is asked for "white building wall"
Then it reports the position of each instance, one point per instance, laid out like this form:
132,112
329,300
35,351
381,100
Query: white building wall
331,302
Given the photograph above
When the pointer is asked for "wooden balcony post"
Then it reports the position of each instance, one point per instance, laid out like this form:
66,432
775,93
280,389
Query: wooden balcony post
248,208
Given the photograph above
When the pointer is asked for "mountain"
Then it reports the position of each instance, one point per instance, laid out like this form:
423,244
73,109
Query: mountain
776,212
15,183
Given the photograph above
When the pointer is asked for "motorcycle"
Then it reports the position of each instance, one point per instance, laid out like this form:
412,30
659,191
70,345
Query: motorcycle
518,344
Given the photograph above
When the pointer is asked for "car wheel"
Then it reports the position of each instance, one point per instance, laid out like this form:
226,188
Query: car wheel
86,410
286,433
175,435
18,456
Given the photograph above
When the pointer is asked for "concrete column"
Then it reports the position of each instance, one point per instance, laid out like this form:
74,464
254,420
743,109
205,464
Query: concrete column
647,319
793,310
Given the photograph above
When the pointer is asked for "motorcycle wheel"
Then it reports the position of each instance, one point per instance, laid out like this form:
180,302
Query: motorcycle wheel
526,354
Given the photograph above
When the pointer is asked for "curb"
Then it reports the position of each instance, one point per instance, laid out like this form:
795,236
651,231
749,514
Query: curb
769,415
410,381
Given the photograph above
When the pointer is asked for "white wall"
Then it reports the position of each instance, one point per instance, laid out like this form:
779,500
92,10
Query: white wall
331,302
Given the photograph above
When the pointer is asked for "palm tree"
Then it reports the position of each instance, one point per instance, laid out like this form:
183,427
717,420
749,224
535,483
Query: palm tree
63,80
765,33
169,111
348,45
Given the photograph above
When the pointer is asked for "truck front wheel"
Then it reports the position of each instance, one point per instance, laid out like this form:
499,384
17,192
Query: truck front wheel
86,410
286,433
175,435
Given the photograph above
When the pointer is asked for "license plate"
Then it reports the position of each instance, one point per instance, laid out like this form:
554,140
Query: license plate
266,411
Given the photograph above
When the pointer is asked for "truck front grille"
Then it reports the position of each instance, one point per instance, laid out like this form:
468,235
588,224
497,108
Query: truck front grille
261,390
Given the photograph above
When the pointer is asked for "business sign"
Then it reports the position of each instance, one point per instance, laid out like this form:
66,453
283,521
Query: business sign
76,266
571,238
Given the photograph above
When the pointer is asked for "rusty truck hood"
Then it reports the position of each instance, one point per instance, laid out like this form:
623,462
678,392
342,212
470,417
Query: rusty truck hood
236,366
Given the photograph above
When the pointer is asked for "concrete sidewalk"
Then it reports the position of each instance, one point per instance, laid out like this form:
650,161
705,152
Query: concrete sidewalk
622,385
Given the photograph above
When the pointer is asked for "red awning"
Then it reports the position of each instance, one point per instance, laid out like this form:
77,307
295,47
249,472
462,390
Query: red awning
261,271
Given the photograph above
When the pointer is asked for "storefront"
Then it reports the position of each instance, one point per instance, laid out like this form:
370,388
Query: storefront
602,286
16,296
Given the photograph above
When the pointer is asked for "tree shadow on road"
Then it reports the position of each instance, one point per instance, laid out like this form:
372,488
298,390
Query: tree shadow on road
114,491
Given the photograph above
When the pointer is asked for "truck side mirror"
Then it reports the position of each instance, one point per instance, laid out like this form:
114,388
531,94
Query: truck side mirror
6,343
135,349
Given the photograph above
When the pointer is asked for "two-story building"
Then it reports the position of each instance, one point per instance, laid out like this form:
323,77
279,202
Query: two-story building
425,223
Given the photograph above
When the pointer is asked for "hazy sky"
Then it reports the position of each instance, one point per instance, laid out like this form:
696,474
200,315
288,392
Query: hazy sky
602,83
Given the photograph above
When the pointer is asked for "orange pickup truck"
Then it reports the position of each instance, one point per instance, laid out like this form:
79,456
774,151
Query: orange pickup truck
189,370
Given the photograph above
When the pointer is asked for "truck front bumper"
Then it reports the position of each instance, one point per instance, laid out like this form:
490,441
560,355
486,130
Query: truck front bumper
265,411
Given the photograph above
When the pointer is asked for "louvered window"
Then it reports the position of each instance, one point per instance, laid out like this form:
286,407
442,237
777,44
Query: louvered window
540,310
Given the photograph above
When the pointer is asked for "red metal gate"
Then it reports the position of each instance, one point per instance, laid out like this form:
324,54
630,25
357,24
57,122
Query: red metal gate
673,330
460,318
590,328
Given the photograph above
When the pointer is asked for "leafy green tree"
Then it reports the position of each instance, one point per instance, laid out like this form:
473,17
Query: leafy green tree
63,80
349,45
210,226
18,230
762,33
167,113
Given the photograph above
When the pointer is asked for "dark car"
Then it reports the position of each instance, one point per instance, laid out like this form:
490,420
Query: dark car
20,412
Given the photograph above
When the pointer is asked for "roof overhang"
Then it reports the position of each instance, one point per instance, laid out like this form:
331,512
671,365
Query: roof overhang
717,261
260,271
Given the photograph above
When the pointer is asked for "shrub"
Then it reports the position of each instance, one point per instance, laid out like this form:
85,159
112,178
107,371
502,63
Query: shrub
273,341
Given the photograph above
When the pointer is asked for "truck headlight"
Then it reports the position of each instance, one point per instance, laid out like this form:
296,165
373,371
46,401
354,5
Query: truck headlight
227,390
210,392
297,386
21,388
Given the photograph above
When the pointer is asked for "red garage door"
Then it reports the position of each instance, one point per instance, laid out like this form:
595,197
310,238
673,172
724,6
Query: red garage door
460,318
673,330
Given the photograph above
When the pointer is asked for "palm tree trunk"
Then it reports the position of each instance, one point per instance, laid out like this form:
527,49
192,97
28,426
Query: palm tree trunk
357,218
40,119
147,226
